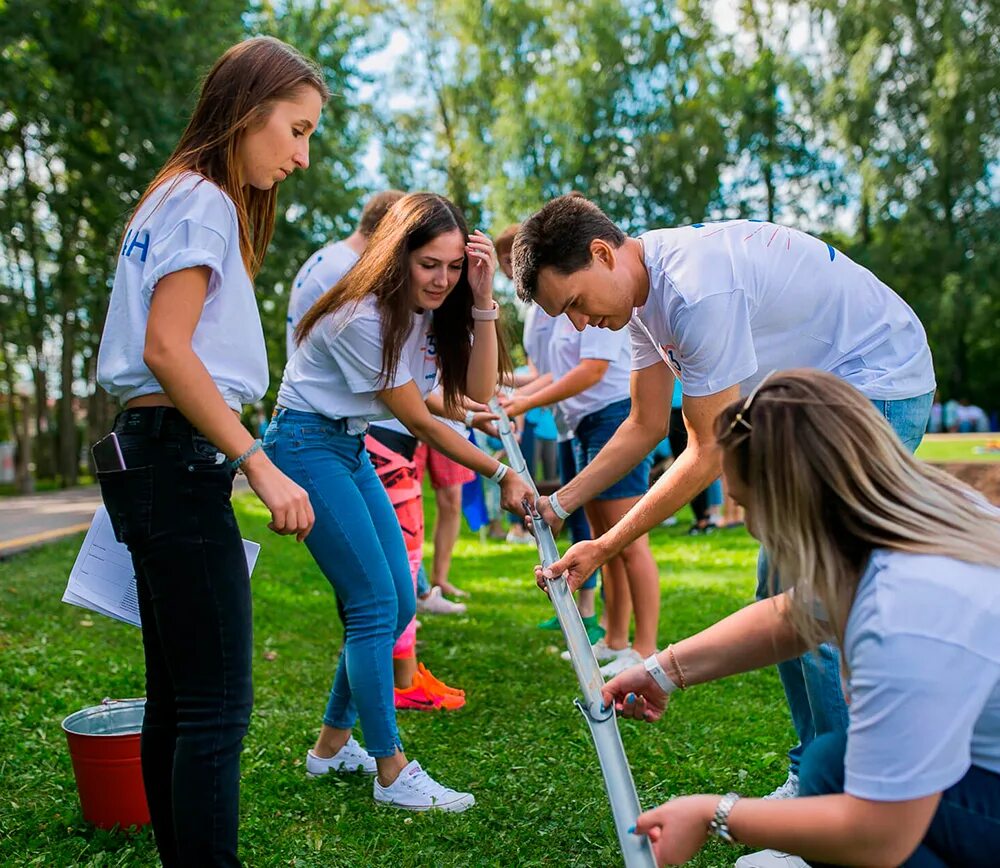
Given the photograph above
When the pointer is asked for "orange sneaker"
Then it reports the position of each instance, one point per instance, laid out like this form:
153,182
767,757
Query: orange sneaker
436,684
421,697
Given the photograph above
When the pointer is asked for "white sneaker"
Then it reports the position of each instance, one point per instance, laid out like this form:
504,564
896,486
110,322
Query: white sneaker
788,790
770,859
436,603
621,663
516,537
352,757
415,790
602,652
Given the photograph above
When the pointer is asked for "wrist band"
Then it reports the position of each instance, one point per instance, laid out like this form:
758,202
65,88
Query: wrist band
469,416
237,463
499,473
481,315
557,507
656,671
719,824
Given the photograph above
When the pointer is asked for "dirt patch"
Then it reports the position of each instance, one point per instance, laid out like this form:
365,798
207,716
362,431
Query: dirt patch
983,476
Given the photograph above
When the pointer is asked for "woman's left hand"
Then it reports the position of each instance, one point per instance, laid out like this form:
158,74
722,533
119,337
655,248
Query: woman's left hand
679,828
482,266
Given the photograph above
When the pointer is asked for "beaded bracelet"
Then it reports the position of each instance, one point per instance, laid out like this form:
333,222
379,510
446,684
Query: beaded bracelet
237,463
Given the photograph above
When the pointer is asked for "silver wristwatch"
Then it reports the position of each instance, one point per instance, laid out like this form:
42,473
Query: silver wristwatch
719,824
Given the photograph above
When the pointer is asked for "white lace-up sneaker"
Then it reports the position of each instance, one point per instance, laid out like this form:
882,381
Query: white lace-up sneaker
415,790
788,790
621,663
352,757
602,652
435,603
770,859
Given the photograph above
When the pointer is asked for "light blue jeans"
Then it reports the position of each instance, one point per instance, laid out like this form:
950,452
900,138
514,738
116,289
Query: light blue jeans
812,682
358,545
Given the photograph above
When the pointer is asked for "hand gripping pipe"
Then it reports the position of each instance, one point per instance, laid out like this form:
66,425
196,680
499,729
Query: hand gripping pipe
625,809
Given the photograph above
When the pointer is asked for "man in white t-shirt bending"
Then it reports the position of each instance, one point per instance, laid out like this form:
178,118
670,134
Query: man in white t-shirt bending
328,264
718,305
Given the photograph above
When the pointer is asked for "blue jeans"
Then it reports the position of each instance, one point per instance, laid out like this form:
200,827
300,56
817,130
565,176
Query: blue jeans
579,527
358,545
592,433
812,682
965,829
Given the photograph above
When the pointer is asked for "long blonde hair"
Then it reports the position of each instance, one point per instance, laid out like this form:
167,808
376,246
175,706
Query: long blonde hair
237,96
828,481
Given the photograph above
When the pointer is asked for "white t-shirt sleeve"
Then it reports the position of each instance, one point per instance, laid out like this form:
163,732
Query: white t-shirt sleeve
644,353
603,344
714,347
357,350
195,234
914,704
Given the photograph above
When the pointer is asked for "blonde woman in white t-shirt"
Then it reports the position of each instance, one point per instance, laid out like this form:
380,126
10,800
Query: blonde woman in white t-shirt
416,310
183,350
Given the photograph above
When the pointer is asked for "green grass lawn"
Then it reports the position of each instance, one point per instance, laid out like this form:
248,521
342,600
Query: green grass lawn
519,744
959,447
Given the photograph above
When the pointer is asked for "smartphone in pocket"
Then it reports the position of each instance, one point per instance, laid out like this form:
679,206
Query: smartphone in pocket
108,454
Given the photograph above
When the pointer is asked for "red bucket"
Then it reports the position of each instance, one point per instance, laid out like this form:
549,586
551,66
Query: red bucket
104,746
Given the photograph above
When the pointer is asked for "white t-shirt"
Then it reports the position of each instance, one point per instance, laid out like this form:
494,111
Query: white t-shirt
923,647
185,223
731,301
322,270
337,370
538,326
568,347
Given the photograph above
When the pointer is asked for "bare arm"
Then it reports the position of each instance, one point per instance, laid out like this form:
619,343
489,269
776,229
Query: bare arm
634,440
693,471
407,405
176,307
585,375
481,375
837,829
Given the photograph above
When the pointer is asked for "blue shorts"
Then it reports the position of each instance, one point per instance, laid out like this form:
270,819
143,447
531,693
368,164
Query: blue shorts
596,429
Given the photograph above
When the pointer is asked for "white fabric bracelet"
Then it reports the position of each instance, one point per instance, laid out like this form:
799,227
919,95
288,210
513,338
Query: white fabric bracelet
659,675
499,473
469,416
480,315
557,507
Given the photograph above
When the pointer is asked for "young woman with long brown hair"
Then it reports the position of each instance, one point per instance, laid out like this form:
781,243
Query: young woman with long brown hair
183,350
899,564
416,309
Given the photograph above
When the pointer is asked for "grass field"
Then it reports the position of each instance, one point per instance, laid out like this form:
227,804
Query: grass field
519,744
957,447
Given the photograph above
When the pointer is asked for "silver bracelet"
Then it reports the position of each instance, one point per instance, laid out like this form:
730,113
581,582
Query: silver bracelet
719,824
481,315
557,507
499,473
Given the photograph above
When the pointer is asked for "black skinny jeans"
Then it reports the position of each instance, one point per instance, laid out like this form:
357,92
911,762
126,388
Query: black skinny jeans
171,507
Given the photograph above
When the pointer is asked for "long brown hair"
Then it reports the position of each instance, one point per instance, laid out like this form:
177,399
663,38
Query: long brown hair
237,96
383,271
829,481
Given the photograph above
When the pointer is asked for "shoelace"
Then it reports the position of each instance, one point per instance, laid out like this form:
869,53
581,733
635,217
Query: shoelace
425,785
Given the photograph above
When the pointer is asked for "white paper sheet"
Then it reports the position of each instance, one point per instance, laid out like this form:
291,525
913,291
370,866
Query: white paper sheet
102,579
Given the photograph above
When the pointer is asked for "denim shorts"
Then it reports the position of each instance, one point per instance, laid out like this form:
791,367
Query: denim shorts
593,432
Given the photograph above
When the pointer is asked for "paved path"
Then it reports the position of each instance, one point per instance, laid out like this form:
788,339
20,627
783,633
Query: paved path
36,519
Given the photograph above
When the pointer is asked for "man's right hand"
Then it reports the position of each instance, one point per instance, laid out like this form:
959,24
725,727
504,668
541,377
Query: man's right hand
576,565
